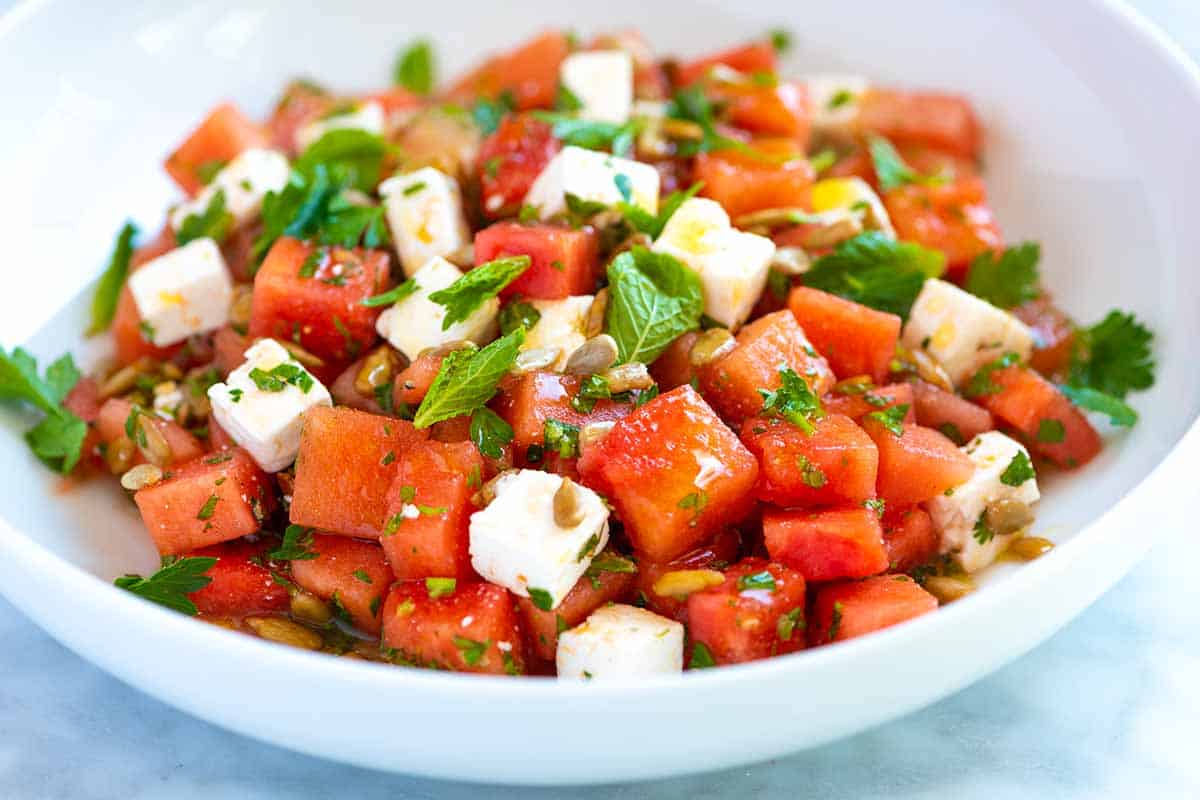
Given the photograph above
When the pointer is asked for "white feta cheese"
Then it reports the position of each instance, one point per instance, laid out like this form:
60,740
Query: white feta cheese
602,81
591,175
955,515
560,324
963,332
620,641
184,292
835,102
515,542
415,323
267,423
732,264
425,213
367,117
245,181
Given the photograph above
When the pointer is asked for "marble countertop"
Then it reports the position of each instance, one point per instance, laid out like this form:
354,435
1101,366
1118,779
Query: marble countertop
1110,707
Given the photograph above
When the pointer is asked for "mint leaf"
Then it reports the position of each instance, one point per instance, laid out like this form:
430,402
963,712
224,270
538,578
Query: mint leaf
213,223
1007,280
653,299
414,67
481,284
488,113
650,224
393,295
876,271
490,432
892,170
108,288
590,134
468,379
355,153
171,585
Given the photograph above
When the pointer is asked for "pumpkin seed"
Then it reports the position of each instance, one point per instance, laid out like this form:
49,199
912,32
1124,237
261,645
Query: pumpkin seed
241,305
593,432
1008,516
284,631
567,511
594,324
536,358
711,345
682,582
633,375
377,369
125,378
300,354
118,455
839,228
446,348
1031,547
140,477
593,356
310,608
947,589
790,261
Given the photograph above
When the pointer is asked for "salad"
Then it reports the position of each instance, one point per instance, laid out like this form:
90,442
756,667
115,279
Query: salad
591,363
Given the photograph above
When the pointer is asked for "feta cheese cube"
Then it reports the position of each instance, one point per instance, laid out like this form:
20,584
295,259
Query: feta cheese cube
602,81
245,181
184,292
367,117
620,641
956,514
415,323
848,195
963,332
732,264
560,324
425,213
591,175
834,100
267,421
515,542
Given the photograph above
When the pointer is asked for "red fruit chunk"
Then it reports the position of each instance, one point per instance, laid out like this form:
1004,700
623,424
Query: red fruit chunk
229,349
526,402
717,554
110,424
944,122
674,367
827,545
856,401
910,538
1048,422
855,339
780,110
918,465
300,103
1054,333
347,462
835,464
529,73
83,400
744,182
960,420
206,501
586,596
413,382
221,137
758,612
563,262
732,382
240,586
510,161
952,217
350,573
845,610
674,472
474,629
747,58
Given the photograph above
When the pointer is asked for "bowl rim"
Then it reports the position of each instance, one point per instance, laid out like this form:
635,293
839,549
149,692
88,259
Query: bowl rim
103,598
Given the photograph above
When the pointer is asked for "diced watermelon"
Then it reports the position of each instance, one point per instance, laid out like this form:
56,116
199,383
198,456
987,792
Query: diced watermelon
918,465
780,110
229,349
220,138
313,296
563,262
128,332
474,629
510,161
83,400
960,420
745,182
845,610
348,460
758,612
674,367
674,473
855,339
542,627
910,538
716,555
952,217
1054,333
413,382
241,582
827,545
1048,422
209,500
835,464
732,382
114,413
747,58
942,121
857,400
218,438
530,73
528,401
300,103
350,573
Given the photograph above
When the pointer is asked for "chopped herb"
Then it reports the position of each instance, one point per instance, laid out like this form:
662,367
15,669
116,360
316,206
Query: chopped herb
982,533
876,504
413,188
1019,470
695,501
489,432
297,540
440,587
279,376
891,169
172,583
591,134
876,271
1119,412
779,284
645,396
491,167
1051,431
383,398
212,223
580,210
835,621
702,657
209,508
788,623
146,330
312,262
608,561
1006,280
561,437
757,580
208,170
823,160
891,418
236,395
560,624
981,383
811,475
488,113
593,388
1113,356
219,458
558,266
781,39
653,300
518,315
566,100
793,400
528,214
393,295
467,379
692,105
589,547
376,603
951,432
362,575
652,224
108,288
472,290
414,68
388,458
624,186
541,598
840,98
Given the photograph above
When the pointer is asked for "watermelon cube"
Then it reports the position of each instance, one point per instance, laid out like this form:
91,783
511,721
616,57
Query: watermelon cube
827,545
845,610
756,613
350,573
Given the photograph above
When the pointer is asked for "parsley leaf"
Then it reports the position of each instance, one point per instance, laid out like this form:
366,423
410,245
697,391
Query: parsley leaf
981,532
414,67
541,598
891,418
468,379
490,432
58,439
472,651
1051,431
876,271
1007,280
481,284
1119,412
793,400
610,561
171,585
892,170
653,300
757,580
1113,356
296,541
214,222
1019,470
108,288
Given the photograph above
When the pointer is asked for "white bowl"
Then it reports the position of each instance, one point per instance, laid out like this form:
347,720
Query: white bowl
1091,118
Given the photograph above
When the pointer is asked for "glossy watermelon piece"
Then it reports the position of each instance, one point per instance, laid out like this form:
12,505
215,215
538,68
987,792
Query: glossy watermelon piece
918,465
855,340
350,573
845,610
716,555
758,612
945,122
241,582
747,58
542,627
113,415
220,138
529,73
952,217
959,419
674,367
1054,335
856,400
510,161
563,261
745,182
910,538
782,110
834,465
826,545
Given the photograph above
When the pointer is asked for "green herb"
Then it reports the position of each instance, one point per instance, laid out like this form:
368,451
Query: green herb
891,418
541,598
1019,470
876,504
981,383
213,223
518,315
652,224
1113,356
219,458
842,97
351,224
1007,280
560,624
645,396
108,288
788,623
781,39
236,395
389,457
297,540
1119,412
440,587
312,262
393,295
279,376
209,508
353,154
757,580
481,284
1051,431
982,533
779,284
566,100
489,432
692,105
624,186
890,167
488,113
608,561
702,657
580,211
468,379
414,188
172,583
491,167
561,437
810,474
58,439
593,388
591,134
876,271
696,502
528,214
653,300
835,621
589,547
793,401
414,68
208,170
362,575
951,432
146,330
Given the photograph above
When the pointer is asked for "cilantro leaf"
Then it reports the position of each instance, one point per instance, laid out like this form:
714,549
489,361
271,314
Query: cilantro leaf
352,152
171,585
468,379
1007,280
212,223
1113,356
296,541
591,134
490,432
876,271
414,67
108,288
793,400
58,439
1019,470
653,299
892,170
481,284
488,113
1119,412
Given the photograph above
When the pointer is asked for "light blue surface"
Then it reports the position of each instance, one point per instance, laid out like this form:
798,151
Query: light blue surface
1110,707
